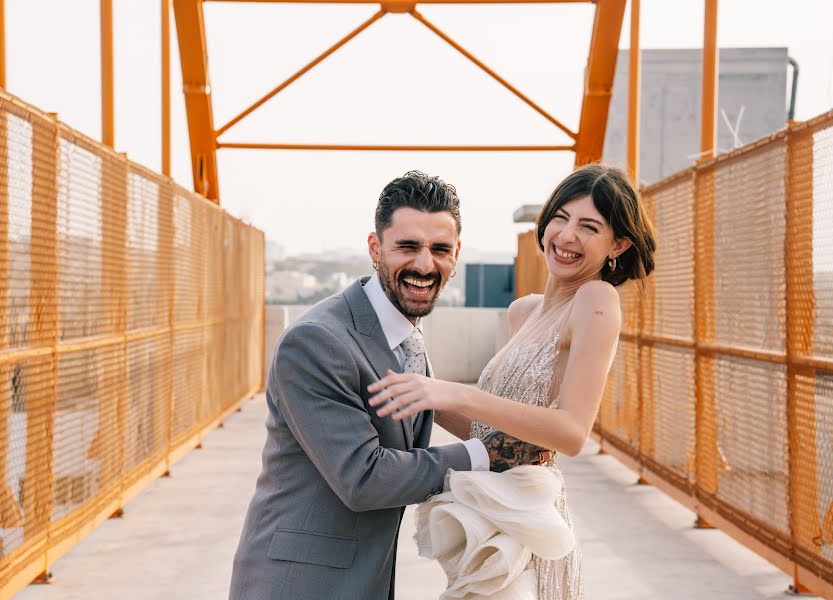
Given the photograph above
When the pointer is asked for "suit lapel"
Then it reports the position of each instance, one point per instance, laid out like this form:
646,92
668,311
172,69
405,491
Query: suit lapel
373,343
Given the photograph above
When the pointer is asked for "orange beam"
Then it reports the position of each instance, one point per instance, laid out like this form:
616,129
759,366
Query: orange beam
420,1
372,148
298,74
634,79
108,134
165,6
414,13
598,80
190,29
708,118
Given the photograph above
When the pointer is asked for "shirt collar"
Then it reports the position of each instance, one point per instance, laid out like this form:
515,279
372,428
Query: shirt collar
396,326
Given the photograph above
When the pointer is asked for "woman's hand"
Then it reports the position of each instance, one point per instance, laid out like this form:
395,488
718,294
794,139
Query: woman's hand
408,393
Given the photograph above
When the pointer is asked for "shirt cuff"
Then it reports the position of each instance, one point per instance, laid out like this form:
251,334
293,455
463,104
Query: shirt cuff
478,454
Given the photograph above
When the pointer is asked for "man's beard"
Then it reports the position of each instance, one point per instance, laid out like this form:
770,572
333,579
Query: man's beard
392,291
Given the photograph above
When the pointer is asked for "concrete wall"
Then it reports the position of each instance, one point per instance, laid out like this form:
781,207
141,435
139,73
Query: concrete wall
278,318
459,341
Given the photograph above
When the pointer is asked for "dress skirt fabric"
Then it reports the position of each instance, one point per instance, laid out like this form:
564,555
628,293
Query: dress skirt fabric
485,528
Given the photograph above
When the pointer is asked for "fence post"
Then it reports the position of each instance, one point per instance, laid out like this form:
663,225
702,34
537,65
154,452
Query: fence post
647,400
9,510
805,523
38,485
165,262
260,302
705,401
114,208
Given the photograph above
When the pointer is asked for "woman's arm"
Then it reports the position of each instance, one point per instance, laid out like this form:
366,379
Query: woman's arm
596,320
454,422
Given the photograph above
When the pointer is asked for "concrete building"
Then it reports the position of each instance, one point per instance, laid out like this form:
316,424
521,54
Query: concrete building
752,97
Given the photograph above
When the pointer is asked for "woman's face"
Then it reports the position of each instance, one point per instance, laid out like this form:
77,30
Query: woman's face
578,241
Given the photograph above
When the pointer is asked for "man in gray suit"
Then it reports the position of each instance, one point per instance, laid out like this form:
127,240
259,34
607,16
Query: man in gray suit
324,521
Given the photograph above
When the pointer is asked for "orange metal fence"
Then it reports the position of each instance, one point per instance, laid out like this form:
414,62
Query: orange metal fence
131,322
722,390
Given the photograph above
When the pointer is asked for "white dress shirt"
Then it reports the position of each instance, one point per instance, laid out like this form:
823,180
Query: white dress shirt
397,328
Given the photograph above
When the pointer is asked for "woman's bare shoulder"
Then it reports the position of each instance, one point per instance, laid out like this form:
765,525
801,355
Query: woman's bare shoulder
598,290
597,299
521,308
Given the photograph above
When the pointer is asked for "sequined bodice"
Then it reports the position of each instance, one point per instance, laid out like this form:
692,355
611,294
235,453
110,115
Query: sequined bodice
525,373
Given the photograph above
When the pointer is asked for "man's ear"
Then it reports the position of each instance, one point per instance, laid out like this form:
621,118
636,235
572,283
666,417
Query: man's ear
457,252
374,247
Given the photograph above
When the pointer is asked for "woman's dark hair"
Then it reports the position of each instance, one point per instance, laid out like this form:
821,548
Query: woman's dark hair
419,191
621,206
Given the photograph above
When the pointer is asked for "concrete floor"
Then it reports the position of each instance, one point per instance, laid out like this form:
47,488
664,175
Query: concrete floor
176,540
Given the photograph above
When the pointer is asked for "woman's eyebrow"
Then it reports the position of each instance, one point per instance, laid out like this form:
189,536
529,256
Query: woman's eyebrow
592,220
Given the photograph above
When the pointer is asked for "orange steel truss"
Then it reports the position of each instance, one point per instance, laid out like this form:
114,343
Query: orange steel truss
204,137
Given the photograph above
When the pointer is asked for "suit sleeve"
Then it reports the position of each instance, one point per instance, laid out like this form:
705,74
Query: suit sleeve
315,382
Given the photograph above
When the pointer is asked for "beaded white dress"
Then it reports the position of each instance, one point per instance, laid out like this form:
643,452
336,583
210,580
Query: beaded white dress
527,370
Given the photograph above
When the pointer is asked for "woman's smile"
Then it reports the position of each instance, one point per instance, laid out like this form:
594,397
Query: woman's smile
564,256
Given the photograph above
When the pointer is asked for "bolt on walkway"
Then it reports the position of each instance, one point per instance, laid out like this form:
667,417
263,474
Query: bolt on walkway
177,539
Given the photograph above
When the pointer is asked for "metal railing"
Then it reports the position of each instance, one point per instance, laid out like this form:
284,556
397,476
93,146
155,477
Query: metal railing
722,390
131,323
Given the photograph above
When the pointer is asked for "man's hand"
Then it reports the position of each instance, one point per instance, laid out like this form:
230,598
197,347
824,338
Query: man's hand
506,452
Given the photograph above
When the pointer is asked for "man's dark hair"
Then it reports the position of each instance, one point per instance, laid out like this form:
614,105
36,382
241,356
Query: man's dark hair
418,191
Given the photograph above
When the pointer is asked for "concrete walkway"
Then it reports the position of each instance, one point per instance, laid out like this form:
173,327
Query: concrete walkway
177,539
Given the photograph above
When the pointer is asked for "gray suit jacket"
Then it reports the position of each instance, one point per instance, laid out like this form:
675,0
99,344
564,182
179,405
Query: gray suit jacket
324,519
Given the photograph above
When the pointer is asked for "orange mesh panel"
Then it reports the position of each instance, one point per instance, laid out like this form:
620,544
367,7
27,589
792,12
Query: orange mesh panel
108,332
620,418
673,277
752,439
822,181
749,292
674,409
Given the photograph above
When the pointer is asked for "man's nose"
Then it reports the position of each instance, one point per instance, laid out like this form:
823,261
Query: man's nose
424,261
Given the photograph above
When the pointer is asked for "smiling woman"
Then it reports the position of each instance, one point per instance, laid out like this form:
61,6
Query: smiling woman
595,214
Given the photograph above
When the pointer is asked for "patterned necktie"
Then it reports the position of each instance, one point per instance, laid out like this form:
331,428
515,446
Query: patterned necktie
414,349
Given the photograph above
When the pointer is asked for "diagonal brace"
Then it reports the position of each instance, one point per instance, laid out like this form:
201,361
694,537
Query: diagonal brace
419,17
298,74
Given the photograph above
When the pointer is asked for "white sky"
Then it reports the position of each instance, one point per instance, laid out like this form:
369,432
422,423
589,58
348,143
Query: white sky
396,83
